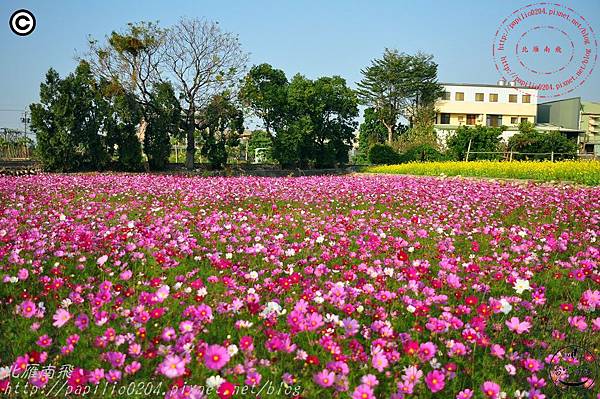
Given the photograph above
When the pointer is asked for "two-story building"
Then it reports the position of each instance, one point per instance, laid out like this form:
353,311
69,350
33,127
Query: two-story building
502,104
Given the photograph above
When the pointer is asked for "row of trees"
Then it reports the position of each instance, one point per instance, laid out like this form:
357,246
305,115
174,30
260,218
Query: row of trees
482,142
140,88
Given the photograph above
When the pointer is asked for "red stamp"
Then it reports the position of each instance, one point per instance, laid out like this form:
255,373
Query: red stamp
545,46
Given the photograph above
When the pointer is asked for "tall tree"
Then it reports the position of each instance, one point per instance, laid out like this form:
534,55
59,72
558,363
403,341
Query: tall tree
68,121
223,125
131,58
163,122
320,120
264,91
398,85
371,130
203,61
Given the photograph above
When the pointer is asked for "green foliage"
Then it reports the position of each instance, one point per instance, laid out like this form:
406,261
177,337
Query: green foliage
532,142
260,139
421,153
320,122
67,122
123,116
370,132
398,85
164,118
482,138
264,91
224,122
383,154
311,122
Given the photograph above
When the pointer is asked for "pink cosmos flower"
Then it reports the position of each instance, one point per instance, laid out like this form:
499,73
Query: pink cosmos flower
578,322
215,357
435,381
173,366
324,378
379,361
61,317
102,260
363,391
28,309
20,364
427,351
497,351
515,325
369,380
465,394
39,379
490,389
44,341
23,274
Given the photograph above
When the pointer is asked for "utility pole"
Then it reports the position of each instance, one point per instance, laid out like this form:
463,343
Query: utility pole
25,119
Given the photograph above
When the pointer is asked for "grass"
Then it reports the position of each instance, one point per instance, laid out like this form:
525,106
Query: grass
581,172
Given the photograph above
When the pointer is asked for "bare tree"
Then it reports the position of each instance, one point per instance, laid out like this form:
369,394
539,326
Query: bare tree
203,61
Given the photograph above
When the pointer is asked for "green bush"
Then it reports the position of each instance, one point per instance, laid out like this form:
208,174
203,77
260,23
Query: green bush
482,139
534,142
421,153
382,154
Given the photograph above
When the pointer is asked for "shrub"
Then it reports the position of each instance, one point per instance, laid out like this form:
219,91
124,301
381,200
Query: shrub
482,139
421,153
534,142
382,154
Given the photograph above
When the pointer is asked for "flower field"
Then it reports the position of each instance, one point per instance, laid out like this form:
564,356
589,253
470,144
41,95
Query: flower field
581,172
316,287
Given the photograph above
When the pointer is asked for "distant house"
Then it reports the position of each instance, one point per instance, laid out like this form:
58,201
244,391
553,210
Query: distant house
502,104
581,117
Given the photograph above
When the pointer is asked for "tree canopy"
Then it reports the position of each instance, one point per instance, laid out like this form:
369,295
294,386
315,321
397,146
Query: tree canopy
397,85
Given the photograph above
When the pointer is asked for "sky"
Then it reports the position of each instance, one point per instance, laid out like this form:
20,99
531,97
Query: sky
315,38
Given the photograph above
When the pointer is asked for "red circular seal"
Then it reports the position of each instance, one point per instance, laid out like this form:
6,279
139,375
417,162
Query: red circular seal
546,46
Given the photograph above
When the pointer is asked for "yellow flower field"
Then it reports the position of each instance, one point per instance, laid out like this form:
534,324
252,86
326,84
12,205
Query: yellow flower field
581,172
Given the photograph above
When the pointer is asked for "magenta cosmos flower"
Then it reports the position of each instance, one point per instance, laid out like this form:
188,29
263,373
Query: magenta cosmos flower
215,357
28,309
324,378
490,389
435,381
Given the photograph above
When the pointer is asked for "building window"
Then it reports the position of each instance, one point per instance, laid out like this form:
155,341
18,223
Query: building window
445,119
478,96
512,98
514,120
459,96
446,95
494,120
471,119
524,120
493,97
526,98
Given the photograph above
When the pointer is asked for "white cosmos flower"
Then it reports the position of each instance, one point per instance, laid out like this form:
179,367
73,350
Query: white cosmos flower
214,381
232,350
521,285
506,306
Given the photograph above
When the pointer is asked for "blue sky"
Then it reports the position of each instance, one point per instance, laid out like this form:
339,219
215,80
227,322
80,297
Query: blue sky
315,38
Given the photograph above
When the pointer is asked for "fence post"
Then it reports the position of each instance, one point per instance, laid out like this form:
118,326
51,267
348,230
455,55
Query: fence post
468,150
552,156
511,155
176,155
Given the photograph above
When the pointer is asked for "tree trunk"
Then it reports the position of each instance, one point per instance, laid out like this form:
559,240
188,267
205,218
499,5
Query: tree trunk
190,151
390,130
